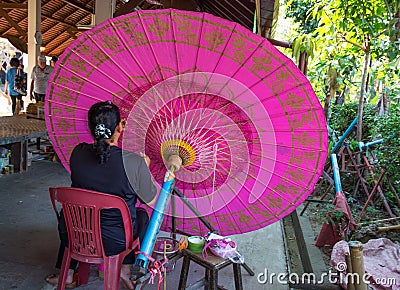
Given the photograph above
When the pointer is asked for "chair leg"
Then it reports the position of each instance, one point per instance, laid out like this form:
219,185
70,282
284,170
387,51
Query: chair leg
83,273
62,279
112,271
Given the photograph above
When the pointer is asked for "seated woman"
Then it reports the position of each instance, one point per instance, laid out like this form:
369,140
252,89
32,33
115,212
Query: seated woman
100,167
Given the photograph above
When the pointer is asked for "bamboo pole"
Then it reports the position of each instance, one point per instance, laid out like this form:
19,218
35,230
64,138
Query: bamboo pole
165,267
350,285
258,15
379,221
357,265
389,228
371,195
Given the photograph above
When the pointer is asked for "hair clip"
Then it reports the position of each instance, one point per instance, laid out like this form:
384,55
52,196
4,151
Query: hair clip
101,131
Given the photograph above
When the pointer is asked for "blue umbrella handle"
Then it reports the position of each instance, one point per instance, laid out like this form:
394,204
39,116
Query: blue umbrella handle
147,245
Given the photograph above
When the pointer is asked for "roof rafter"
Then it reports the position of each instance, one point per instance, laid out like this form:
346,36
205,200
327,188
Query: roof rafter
13,5
79,6
128,7
60,21
13,23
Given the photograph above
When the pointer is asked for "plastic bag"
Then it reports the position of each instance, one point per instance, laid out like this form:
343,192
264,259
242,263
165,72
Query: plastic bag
222,247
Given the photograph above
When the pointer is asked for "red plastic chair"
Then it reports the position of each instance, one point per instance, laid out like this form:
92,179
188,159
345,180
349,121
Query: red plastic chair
81,210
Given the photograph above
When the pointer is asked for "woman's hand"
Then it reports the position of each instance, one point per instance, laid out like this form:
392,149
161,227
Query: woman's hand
5,94
146,158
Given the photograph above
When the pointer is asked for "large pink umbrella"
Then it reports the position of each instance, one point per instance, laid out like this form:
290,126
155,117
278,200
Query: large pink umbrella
243,118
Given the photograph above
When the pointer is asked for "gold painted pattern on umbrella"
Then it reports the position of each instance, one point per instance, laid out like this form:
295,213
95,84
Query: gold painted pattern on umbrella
186,34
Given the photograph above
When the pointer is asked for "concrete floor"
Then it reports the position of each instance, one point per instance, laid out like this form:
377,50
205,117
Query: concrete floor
29,240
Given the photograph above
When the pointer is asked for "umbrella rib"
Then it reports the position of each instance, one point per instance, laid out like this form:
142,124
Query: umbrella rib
270,171
210,197
149,42
197,47
131,53
281,177
231,77
87,80
258,198
250,193
174,37
66,105
220,56
97,68
147,77
229,210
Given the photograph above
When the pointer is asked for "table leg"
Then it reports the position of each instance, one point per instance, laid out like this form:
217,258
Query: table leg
238,276
184,273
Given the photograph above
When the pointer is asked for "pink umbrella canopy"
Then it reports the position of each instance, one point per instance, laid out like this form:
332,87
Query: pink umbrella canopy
243,118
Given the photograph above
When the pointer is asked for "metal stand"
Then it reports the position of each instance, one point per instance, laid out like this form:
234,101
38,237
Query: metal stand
178,193
174,257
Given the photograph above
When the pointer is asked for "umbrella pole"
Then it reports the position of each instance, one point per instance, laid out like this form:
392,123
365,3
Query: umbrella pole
149,239
147,245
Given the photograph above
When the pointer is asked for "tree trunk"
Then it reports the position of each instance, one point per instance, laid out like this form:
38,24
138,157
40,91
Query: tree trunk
362,90
332,87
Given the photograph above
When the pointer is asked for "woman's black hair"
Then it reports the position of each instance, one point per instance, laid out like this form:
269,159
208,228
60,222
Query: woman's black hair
103,118
14,62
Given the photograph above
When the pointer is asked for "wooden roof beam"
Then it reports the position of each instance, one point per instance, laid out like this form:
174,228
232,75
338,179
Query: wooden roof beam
13,23
14,6
128,7
209,8
78,5
72,33
60,21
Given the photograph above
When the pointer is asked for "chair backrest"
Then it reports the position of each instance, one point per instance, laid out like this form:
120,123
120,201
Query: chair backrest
81,209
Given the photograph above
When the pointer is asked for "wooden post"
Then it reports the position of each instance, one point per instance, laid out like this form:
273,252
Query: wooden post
34,20
357,265
104,9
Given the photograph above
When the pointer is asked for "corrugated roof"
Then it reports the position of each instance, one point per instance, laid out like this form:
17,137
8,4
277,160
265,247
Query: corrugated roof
60,18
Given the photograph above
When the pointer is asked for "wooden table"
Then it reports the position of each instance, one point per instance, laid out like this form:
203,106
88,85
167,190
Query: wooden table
15,132
212,265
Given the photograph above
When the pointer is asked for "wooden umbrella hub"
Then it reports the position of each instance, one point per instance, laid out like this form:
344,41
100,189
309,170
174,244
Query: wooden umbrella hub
178,147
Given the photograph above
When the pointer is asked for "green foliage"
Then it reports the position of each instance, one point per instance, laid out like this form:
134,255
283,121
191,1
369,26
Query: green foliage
303,43
299,10
371,211
342,116
388,153
329,214
340,33
375,127
345,31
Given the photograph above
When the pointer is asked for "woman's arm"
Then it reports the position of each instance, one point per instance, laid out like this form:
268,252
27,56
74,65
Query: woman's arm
139,176
31,90
6,95
147,190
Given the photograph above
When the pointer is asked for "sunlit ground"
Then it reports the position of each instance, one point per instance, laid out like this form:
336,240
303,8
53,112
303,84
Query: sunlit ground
5,108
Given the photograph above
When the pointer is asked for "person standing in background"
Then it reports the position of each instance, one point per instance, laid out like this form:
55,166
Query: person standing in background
9,85
53,60
40,77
